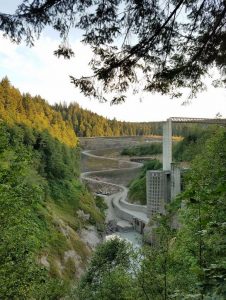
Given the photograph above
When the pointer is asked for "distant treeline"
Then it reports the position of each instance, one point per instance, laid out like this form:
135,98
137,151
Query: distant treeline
88,124
65,122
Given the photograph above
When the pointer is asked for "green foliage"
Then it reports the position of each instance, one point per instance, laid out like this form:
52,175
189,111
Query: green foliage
192,144
107,276
197,267
33,112
137,190
142,150
88,205
40,196
89,124
137,187
172,46
23,231
101,204
204,216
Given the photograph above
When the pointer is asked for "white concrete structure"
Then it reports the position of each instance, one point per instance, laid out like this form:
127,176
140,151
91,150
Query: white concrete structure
158,191
167,145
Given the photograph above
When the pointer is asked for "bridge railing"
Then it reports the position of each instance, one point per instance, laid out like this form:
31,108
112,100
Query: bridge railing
197,120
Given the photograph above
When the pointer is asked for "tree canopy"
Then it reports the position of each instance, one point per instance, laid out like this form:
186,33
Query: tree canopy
167,45
34,112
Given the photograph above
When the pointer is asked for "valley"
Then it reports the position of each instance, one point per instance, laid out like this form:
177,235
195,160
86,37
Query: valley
108,174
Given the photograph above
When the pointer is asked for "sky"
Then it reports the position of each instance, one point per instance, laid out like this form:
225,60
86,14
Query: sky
37,71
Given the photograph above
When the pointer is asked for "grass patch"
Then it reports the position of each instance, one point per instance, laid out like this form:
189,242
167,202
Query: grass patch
69,269
142,150
137,187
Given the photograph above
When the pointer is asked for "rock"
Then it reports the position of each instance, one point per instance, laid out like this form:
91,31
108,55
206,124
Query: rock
43,261
82,215
111,227
90,236
75,260
124,226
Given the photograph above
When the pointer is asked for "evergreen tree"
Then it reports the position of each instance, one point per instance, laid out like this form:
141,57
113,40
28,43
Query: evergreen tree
173,45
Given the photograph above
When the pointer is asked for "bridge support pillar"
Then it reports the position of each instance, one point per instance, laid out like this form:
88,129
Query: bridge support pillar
167,145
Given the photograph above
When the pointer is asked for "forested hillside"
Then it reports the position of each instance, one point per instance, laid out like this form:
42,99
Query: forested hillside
61,119
34,112
43,204
88,124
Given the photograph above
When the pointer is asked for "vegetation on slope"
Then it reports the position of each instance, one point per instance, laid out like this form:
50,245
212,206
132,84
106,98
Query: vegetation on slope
107,276
191,145
34,112
143,150
137,187
40,200
88,124
43,207
43,204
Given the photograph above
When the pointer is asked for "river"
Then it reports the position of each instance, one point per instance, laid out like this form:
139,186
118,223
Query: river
133,237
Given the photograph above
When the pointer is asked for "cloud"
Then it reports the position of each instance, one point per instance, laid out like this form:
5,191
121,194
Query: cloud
37,71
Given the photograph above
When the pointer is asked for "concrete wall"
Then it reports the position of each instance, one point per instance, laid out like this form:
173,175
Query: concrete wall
158,191
133,207
175,181
101,188
138,225
120,213
121,177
